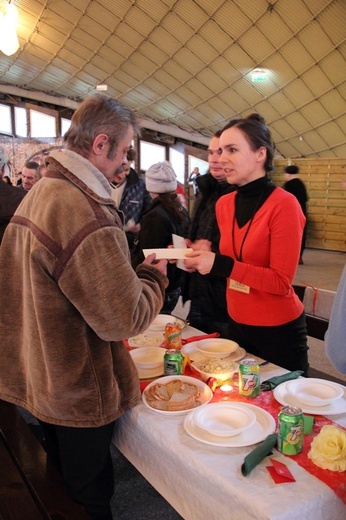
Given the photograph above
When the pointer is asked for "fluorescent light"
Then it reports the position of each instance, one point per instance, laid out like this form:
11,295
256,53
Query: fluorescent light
9,43
258,75
101,87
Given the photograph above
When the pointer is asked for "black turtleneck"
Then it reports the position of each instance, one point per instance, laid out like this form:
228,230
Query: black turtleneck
249,199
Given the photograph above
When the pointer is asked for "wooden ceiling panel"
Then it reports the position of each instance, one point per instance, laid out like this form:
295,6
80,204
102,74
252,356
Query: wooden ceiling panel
179,61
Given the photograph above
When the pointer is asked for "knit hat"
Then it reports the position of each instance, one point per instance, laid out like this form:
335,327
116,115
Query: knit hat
3,158
161,178
293,169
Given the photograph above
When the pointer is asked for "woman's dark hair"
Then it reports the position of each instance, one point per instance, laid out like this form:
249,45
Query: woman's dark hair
257,134
171,204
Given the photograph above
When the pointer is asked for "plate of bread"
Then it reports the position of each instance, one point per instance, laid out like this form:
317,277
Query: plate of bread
176,395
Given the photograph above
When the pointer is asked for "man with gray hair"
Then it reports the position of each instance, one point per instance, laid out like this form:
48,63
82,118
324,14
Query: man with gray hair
10,196
71,288
30,175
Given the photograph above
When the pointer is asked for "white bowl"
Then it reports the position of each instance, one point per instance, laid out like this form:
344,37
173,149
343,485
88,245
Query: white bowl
161,320
148,357
225,419
147,339
220,375
216,347
315,392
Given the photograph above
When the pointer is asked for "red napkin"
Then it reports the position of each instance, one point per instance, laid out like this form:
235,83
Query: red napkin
280,472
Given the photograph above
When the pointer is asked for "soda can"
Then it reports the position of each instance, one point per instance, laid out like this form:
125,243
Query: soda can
290,430
173,336
173,363
249,378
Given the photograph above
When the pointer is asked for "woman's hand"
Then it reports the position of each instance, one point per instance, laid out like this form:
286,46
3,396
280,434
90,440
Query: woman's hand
201,244
202,261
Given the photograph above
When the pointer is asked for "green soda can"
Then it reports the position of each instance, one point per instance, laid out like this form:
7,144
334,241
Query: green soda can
249,378
290,430
173,362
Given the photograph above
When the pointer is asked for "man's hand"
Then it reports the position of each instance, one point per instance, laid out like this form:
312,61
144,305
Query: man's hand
161,265
202,261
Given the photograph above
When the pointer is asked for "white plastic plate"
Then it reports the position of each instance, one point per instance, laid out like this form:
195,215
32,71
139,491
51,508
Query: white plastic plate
315,392
225,419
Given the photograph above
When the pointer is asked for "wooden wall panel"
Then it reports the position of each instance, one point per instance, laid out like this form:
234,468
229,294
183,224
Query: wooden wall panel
325,180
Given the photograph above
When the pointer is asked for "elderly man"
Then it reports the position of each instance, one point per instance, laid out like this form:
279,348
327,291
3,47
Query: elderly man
66,277
30,175
10,196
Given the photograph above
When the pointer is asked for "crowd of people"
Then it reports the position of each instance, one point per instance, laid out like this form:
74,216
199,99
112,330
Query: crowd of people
80,282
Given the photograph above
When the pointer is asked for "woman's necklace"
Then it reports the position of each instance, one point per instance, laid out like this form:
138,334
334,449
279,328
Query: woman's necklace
239,258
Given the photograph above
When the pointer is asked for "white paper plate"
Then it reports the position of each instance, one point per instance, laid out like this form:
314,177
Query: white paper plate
205,393
195,355
171,253
216,347
264,425
161,320
150,374
283,397
315,392
225,419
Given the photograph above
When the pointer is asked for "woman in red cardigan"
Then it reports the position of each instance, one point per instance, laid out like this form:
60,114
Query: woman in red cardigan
261,226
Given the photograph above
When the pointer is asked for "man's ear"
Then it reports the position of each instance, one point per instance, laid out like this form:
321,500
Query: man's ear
99,143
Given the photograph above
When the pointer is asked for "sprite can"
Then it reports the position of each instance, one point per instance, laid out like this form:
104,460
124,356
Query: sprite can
290,430
173,362
249,378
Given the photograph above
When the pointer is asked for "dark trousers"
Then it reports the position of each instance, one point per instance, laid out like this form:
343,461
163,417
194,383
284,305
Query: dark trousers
206,323
285,345
83,458
171,300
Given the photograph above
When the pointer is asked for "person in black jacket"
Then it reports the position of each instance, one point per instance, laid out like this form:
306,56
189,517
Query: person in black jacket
166,216
207,293
10,196
130,197
297,187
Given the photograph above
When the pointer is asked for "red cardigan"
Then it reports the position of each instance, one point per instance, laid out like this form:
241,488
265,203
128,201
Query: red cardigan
269,259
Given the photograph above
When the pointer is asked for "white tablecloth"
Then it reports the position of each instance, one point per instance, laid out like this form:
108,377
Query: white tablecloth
205,482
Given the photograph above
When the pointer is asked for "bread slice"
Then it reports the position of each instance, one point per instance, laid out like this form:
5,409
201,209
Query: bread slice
190,388
161,392
173,386
181,401
159,405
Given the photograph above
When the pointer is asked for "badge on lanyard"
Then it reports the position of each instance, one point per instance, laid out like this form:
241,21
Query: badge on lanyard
237,286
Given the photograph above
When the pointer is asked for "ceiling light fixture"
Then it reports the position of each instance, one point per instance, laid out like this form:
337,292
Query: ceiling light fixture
101,87
258,75
9,43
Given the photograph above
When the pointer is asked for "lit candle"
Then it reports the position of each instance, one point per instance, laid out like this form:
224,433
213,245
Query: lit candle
226,389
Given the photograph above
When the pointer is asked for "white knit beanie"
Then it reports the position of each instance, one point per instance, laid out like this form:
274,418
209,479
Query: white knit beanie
161,178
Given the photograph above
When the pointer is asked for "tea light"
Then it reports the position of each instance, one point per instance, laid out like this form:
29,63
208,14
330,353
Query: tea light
226,389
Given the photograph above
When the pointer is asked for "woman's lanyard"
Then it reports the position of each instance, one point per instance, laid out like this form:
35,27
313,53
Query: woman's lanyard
240,257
